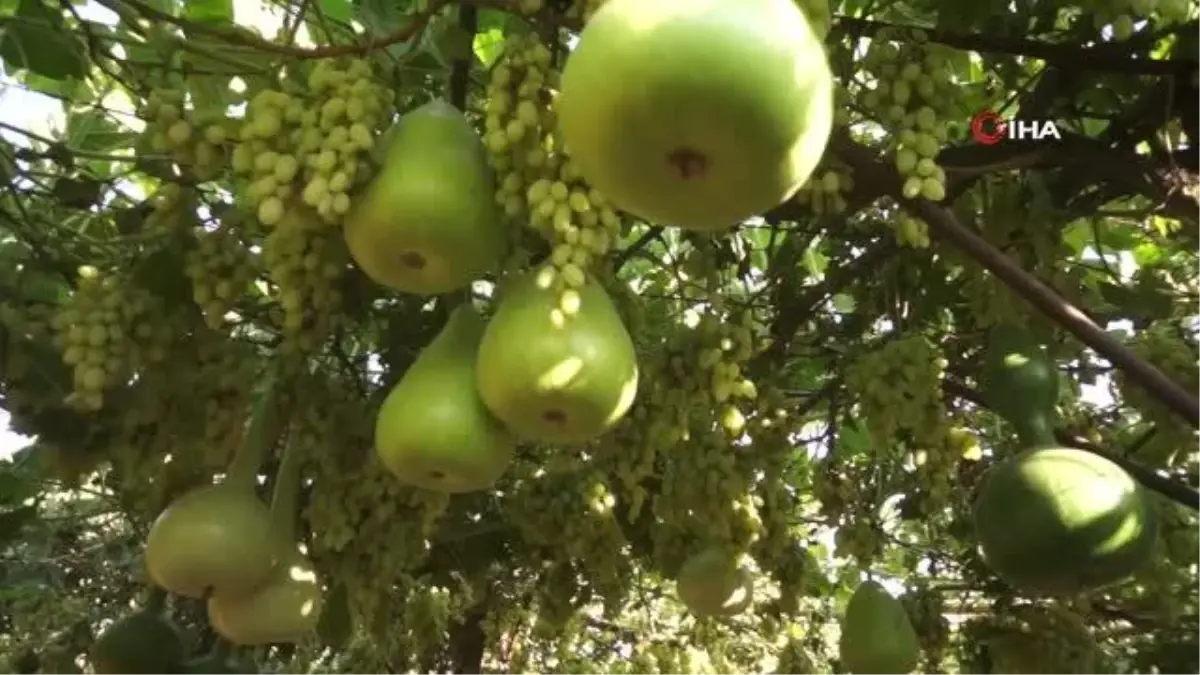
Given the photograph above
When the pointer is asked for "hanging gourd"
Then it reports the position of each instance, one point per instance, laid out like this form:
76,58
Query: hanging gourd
287,606
219,538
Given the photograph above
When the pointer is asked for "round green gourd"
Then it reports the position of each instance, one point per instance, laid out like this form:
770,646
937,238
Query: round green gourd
1061,520
141,642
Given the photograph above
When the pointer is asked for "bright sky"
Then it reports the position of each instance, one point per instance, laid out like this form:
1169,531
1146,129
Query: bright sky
42,114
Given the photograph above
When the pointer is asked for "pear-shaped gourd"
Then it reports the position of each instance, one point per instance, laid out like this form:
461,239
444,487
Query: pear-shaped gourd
877,635
697,113
218,538
429,222
284,609
1019,382
287,606
713,583
142,642
433,430
553,375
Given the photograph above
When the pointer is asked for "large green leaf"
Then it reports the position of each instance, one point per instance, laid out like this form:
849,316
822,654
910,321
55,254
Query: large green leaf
336,625
208,11
381,17
212,64
447,41
338,10
488,46
38,39
13,521
93,130
77,193
40,286
16,484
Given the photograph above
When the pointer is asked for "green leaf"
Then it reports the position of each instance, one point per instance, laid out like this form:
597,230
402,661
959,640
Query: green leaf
212,63
1077,235
15,520
381,17
40,285
208,11
448,41
1118,237
77,193
815,262
130,220
488,46
65,90
843,303
39,40
162,273
854,440
16,486
93,131
338,10
335,625
1147,254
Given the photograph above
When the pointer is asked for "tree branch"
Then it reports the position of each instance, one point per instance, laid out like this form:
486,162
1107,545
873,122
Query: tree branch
414,25
1113,57
1038,294
636,247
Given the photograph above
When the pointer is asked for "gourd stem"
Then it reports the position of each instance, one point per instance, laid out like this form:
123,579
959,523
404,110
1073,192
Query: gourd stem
287,492
221,648
1036,431
260,438
156,600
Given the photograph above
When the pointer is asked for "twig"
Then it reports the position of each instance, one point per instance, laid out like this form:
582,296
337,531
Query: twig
1111,57
791,317
415,24
633,249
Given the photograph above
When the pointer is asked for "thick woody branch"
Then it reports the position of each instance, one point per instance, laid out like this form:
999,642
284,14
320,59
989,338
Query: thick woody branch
415,24
945,225
1113,57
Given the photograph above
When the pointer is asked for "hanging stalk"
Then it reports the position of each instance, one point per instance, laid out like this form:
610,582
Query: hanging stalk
265,421
222,649
156,600
1036,429
284,500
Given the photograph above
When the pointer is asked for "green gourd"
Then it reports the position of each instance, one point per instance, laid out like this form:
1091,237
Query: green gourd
429,222
877,635
1019,382
1060,521
142,642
